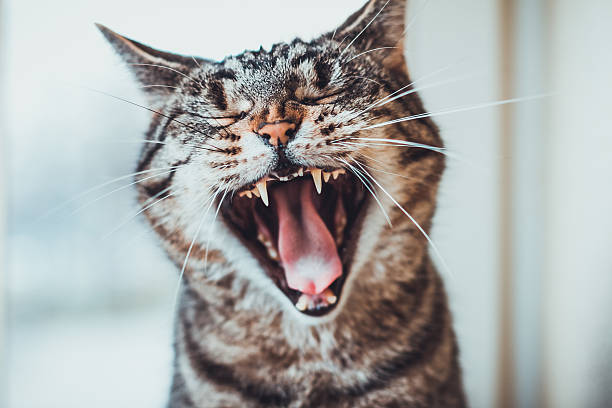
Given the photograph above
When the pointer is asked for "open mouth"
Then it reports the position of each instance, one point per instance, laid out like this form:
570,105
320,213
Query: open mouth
301,224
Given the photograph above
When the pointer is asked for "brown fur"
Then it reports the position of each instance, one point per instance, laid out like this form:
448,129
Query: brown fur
238,343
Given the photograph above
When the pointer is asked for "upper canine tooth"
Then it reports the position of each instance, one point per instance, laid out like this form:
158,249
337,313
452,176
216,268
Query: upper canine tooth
326,176
261,187
316,176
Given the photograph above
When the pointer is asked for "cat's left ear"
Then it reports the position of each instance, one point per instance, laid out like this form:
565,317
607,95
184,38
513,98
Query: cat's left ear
158,72
379,23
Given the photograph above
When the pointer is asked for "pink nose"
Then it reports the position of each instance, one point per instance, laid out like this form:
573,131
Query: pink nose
277,132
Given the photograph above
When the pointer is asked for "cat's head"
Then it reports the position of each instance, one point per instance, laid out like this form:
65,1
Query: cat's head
282,147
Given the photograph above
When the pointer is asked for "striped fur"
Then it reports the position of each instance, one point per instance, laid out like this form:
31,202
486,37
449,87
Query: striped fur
239,341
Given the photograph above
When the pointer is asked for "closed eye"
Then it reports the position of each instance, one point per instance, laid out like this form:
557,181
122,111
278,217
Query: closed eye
223,120
322,100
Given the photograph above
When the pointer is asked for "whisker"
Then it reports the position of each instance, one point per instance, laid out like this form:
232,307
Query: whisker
158,113
390,98
223,128
456,110
366,78
414,221
143,209
428,86
341,42
412,21
372,144
194,145
196,61
87,204
429,75
99,186
141,141
164,191
367,52
158,86
170,69
210,230
373,159
367,185
334,34
401,143
364,28
195,236
390,173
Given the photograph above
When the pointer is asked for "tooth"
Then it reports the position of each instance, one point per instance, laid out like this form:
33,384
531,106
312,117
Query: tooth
301,172
316,176
256,192
261,187
249,194
329,296
337,173
326,176
284,178
273,254
302,303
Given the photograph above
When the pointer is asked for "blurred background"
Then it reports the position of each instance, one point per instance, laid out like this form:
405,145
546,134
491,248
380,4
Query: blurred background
523,221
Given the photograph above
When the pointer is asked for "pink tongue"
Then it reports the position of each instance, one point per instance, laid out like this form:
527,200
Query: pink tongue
307,249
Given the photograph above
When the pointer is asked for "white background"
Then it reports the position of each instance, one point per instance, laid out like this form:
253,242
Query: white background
89,316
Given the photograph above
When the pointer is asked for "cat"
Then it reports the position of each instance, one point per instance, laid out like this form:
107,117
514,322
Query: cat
272,179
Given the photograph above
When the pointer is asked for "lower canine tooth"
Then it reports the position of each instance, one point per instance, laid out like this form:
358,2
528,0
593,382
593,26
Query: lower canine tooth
273,254
316,176
302,303
329,296
263,239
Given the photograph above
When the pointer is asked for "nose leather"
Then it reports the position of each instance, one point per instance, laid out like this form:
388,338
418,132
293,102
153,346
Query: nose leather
277,132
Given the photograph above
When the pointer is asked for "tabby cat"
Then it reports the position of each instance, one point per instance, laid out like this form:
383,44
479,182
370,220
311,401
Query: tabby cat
273,179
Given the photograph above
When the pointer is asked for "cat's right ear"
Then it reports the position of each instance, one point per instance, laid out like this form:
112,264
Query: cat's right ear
158,72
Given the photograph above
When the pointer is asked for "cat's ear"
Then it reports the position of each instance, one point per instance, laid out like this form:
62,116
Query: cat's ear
379,23
158,72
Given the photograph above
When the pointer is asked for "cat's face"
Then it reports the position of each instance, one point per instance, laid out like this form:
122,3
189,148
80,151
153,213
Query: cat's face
258,158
